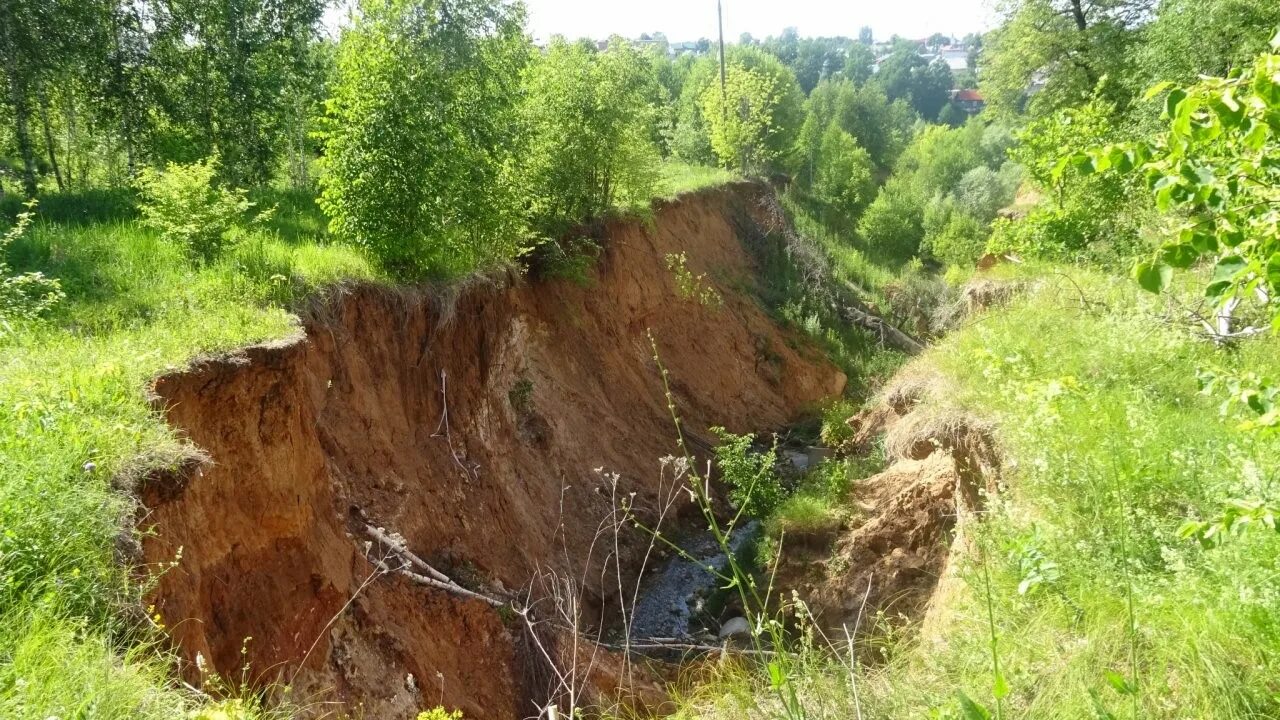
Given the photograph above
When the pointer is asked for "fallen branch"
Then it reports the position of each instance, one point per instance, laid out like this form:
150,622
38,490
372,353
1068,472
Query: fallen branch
428,575
450,587
662,644
853,310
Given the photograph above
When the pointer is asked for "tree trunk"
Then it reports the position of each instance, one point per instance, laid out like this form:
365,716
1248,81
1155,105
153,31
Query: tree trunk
50,148
1077,14
22,124
69,141
856,312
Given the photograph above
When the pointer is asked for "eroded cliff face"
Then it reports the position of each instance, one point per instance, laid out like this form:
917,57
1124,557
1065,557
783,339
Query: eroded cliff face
473,425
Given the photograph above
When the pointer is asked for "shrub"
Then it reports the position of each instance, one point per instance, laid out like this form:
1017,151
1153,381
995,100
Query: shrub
1089,217
893,224
754,486
842,176
420,136
591,130
952,234
189,208
753,123
25,296
835,426
981,193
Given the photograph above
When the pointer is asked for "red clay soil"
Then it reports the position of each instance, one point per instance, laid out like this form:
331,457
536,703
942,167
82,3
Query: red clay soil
543,383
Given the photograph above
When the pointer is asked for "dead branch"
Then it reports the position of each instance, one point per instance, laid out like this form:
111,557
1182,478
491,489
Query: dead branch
855,311
432,578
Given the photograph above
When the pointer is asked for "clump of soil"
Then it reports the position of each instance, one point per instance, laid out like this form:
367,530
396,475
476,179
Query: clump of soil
889,558
472,424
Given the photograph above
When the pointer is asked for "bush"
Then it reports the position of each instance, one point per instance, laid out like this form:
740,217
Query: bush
893,224
754,486
981,193
25,296
421,136
842,176
952,234
187,206
591,129
1089,217
753,124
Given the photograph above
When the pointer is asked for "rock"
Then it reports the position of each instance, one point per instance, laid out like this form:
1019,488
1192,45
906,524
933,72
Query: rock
798,460
815,455
735,627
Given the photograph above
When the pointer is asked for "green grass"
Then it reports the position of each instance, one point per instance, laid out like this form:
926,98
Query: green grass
75,426
1109,448
678,178
74,423
805,513
849,259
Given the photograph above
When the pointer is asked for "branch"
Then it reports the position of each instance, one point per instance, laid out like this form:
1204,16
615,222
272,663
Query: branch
432,578
856,312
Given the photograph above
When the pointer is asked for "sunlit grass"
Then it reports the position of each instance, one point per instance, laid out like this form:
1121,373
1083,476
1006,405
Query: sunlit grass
74,423
679,178
1109,447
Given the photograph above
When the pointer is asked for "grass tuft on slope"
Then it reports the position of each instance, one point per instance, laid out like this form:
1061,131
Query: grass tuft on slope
74,421
1099,608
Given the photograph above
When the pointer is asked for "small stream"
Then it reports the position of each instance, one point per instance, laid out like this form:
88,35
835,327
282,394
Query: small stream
675,601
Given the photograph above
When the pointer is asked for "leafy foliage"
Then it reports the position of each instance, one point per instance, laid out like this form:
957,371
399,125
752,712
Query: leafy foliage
1070,49
893,225
753,121
1216,166
754,486
1091,217
24,296
419,135
190,208
882,128
843,175
590,133
693,287
926,85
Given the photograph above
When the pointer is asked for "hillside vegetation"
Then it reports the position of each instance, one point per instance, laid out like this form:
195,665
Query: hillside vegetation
183,179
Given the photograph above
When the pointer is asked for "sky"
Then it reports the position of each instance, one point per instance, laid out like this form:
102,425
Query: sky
692,19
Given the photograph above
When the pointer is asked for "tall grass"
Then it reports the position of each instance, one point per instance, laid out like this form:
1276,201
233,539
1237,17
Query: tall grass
74,423
1099,607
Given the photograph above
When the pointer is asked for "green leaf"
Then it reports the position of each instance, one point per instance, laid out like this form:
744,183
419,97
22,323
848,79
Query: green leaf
1001,687
1118,681
1217,289
1121,159
1203,242
1273,271
1181,255
970,710
1153,277
1173,100
1228,110
776,677
1156,89
1229,267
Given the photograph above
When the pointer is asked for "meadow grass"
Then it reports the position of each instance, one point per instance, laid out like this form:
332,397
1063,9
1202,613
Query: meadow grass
1099,608
677,178
75,426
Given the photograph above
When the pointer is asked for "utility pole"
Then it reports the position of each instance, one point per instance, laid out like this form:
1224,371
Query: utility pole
724,94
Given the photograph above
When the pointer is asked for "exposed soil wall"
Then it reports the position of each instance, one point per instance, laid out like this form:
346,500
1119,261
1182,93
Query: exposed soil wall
471,425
